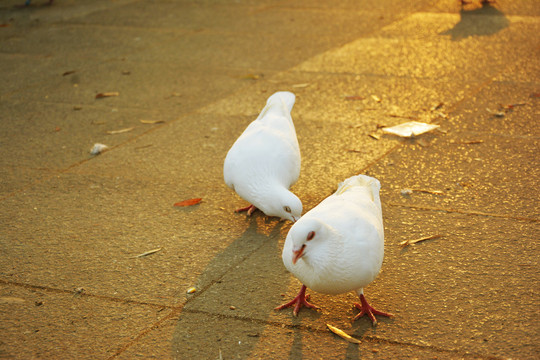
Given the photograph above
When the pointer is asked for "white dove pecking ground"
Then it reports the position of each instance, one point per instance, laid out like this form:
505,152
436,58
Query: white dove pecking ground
338,246
264,162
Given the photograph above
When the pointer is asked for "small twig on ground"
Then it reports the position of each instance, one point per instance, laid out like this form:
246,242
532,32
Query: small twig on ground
149,252
434,192
412,242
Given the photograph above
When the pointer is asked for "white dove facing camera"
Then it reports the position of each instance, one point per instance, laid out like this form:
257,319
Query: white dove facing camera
264,162
338,246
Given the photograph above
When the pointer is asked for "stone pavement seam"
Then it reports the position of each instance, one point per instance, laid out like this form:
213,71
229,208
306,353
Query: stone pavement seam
144,332
466,212
179,309
369,338
85,294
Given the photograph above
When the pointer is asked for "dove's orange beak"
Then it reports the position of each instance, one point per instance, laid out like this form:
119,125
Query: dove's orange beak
298,254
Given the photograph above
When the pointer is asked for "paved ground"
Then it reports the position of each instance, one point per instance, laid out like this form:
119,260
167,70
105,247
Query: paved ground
196,73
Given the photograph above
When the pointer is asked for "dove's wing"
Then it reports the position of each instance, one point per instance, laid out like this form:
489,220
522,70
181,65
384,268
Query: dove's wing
267,149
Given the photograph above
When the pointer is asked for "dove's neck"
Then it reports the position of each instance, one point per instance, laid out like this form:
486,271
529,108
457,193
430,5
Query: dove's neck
326,252
269,196
280,104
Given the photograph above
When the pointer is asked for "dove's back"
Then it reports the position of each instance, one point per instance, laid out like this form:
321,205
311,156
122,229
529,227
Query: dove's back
266,151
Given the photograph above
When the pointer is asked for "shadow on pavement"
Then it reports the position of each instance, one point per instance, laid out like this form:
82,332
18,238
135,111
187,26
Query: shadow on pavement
227,316
484,21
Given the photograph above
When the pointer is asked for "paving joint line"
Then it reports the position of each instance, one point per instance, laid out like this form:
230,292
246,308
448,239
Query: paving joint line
144,332
369,338
466,212
179,309
90,295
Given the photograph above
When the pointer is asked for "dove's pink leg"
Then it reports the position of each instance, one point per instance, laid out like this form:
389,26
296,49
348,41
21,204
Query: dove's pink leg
299,300
365,308
250,209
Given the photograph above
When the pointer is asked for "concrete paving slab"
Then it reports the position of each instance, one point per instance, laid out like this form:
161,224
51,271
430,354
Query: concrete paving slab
81,221
39,13
508,7
48,138
477,177
95,244
238,338
356,100
76,42
421,46
56,136
463,313
38,323
172,91
275,17
518,107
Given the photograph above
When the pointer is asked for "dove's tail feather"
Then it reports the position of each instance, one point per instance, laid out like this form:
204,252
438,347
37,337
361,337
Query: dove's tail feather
373,185
280,103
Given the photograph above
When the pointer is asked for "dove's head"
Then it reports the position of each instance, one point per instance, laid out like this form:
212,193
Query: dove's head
308,237
283,204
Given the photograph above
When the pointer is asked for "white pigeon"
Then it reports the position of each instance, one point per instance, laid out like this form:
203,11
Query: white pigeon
338,246
264,161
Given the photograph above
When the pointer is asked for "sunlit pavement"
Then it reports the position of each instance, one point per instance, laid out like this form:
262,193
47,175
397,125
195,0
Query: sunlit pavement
96,261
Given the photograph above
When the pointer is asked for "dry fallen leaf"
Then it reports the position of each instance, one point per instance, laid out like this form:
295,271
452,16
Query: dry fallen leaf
343,334
437,107
354,97
188,202
112,132
152,121
468,142
376,98
403,117
495,113
434,192
252,76
511,106
107,94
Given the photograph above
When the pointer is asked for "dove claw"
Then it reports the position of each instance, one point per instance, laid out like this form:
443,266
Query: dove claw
250,209
300,300
366,309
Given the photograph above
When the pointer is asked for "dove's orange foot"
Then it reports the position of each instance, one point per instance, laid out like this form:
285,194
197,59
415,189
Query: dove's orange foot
250,209
300,300
365,308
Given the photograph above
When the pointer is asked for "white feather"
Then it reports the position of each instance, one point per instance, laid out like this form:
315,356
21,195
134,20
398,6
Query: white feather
264,162
347,250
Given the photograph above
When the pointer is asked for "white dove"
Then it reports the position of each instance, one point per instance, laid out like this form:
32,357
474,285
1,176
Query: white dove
264,161
338,246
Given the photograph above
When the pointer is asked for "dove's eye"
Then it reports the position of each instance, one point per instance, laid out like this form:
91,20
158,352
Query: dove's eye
287,209
311,235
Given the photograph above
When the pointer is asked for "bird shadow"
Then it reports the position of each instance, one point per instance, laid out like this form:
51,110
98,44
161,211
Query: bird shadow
243,275
483,21
296,350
